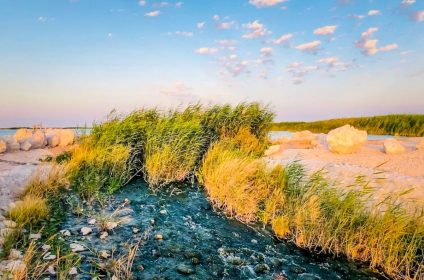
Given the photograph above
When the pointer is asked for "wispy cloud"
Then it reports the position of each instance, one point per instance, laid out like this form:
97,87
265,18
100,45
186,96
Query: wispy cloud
282,39
201,25
152,13
206,51
408,2
309,47
325,30
265,3
418,16
374,12
142,3
256,29
183,33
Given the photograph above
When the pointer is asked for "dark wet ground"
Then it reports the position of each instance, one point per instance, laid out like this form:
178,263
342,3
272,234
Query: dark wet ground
199,243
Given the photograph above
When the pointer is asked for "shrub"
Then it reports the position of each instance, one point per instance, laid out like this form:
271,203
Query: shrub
29,211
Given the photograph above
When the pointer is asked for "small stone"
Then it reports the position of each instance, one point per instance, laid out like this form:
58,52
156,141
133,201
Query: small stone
111,225
159,237
254,241
25,146
163,212
86,230
393,146
73,271
49,257
34,236
127,201
104,254
65,232
45,247
51,270
184,269
152,222
91,221
103,235
75,247
135,230
195,261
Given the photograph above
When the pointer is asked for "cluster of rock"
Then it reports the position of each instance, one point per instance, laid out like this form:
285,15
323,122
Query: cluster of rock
342,140
27,139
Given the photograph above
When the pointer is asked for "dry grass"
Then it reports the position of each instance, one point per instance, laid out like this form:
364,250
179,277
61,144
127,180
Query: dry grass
29,211
43,185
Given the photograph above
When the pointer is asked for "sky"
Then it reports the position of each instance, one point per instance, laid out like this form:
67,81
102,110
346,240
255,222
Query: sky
70,62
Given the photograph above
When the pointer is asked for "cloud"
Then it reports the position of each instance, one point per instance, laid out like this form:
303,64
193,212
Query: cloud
418,16
265,3
160,4
329,60
200,25
216,17
225,25
282,39
256,29
178,4
152,13
142,3
325,30
184,33
206,51
408,2
369,46
298,71
179,90
309,47
266,52
334,63
374,12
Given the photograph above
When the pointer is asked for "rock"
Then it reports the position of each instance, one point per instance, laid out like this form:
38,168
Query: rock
272,150
11,144
420,145
49,257
135,230
86,231
34,236
261,268
393,146
73,271
281,140
23,134
65,232
104,235
305,137
254,241
91,221
25,146
346,139
46,247
3,146
51,270
66,136
184,269
159,237
75,247
111,225
15,255
38,140
163,212
53,140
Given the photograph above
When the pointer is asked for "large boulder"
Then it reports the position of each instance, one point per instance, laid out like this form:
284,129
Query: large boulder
393,146
272,150
67,137
25,146
346,139
304,137
3,146
38,140
11,144
23,134
53,139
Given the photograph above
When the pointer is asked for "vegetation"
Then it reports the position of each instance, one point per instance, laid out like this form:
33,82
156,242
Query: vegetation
314,213
402,125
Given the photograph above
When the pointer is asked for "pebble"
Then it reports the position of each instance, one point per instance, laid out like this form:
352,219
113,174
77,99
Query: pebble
51,270
163,212
65,232
91,221
73,271
152,222
135,230
184,269
86,231
111,225
45,247
49,257
104,235
75,247
34,236
159,237
254,241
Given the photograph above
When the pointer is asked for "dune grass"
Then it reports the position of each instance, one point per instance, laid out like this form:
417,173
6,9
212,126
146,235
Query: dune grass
30,210
313,212
402,125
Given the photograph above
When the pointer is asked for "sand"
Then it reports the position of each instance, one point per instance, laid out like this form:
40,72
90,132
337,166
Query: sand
399,172
16,168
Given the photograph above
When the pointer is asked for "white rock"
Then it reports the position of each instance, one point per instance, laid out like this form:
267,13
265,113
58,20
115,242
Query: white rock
3,146
11,144
49,257
75,247
135,230
34,236
46,247
305,136
163,212
73,271
91,221
53,140
23,134
420,145
346,139
66,136
104,235
86,231
111,225
393,146
51,270
25,146
65,232
38,140
272,150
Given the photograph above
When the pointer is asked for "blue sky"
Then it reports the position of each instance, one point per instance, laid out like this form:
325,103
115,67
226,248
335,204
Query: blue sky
67,62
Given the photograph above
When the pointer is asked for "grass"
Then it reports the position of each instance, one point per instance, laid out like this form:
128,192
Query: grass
29,211
314,213
402,125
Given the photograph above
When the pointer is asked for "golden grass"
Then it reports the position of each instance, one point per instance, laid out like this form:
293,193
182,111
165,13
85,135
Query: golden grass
30,210
43,185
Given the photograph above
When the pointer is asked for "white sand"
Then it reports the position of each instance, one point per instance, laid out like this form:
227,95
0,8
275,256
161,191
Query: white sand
401,172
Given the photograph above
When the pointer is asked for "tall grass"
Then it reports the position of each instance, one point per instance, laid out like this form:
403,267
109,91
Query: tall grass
402,125
314,213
